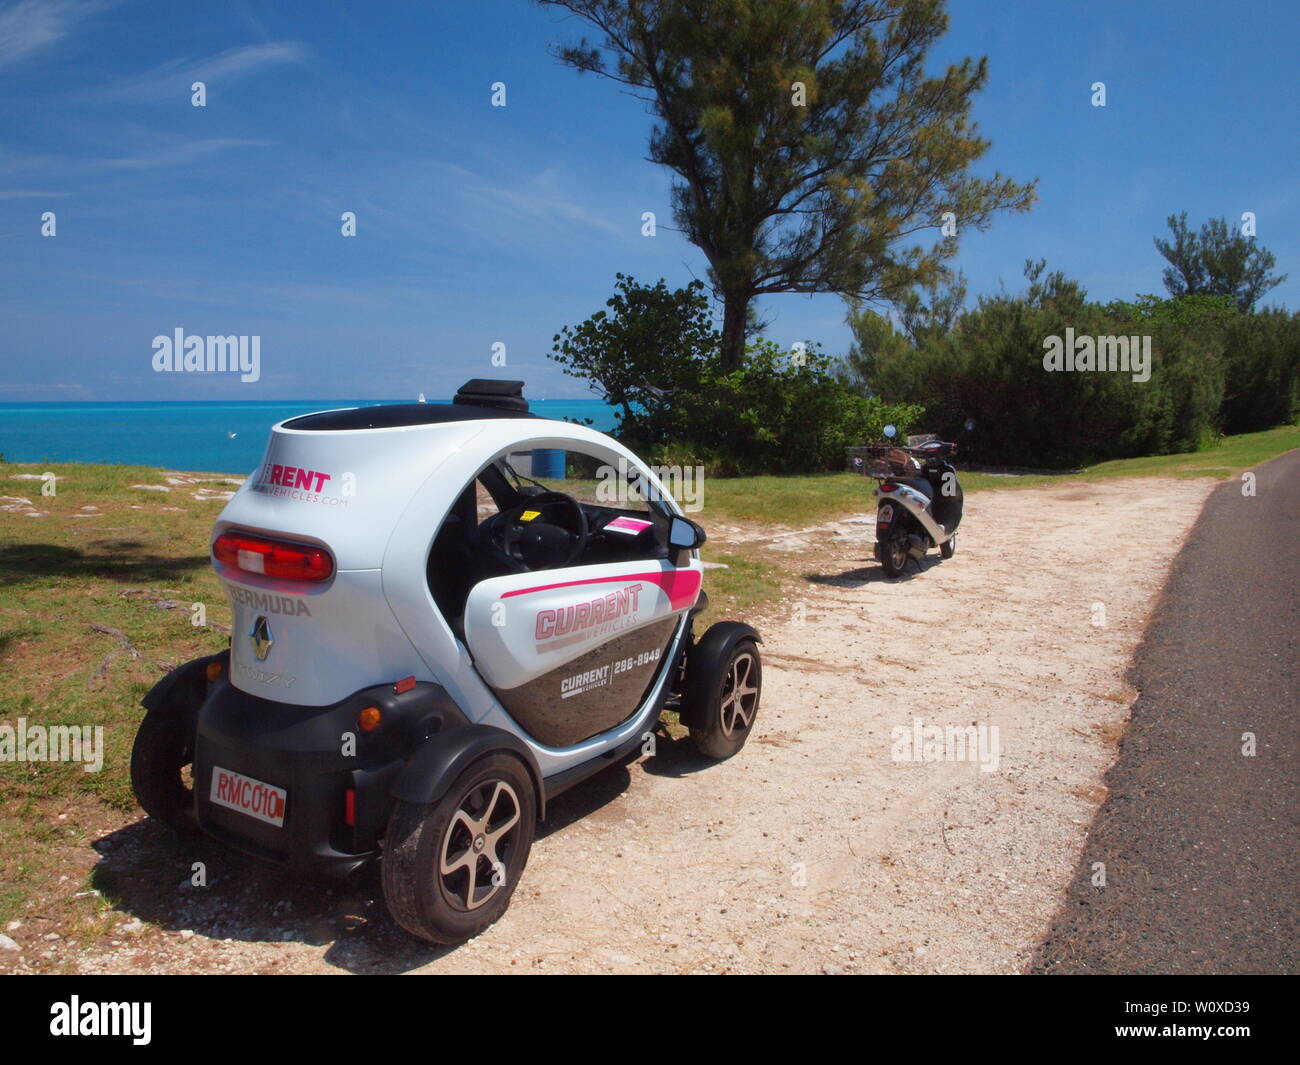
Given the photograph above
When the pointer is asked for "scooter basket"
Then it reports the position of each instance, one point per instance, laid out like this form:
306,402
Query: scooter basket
885,460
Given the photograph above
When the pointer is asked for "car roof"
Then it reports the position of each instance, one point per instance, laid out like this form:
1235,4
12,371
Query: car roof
401,415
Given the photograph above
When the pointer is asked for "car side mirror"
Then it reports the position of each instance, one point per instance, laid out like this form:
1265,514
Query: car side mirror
685,535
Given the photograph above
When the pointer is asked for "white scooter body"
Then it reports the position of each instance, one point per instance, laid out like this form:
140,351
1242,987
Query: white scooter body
919,500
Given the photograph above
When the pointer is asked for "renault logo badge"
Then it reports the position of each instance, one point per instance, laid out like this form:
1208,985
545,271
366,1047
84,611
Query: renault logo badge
261,638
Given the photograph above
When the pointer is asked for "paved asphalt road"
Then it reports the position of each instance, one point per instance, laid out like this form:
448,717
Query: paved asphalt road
1201,843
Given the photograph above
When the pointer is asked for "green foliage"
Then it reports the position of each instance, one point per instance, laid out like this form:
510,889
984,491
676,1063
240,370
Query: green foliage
785,413
1262,369
645,355
874,339
653,355
1216,261
809,142
990,368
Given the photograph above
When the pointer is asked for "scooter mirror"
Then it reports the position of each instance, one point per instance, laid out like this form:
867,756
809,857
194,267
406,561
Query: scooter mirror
890,431
685,535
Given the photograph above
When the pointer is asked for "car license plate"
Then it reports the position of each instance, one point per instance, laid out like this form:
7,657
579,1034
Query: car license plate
235,791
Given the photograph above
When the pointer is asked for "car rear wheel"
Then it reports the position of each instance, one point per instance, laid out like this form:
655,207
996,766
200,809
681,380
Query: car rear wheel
450,867
161,761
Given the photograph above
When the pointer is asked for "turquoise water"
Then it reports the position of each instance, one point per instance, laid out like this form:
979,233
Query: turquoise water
217,437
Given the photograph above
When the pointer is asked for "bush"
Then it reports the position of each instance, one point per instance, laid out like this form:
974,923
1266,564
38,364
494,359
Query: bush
780,413
1262,369
990,368
655,358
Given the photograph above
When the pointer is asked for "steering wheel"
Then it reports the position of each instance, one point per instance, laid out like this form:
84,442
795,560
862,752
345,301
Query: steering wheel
547,529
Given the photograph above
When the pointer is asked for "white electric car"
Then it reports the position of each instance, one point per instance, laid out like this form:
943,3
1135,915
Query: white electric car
429,643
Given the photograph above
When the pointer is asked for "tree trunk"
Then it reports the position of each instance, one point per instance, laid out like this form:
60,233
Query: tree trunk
735,316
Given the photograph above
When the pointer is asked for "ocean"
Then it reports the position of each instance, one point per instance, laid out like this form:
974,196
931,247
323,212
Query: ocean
214,437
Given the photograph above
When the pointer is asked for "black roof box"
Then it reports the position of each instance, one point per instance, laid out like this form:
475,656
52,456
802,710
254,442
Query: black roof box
481,392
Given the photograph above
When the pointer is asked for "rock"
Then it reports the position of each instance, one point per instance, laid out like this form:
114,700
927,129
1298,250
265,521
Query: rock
152,487
133,926
8,944
50,937
832,970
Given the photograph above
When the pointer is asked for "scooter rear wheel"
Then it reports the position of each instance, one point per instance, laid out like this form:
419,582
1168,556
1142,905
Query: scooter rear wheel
894,555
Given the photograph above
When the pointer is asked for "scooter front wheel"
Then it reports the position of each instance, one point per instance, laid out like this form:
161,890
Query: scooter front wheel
949,547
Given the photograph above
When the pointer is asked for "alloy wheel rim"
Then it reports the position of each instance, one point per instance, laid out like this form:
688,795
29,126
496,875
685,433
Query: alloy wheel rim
898,552
478,843
739,695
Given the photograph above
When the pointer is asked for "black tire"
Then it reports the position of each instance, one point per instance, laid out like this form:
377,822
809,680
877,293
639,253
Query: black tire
894,554
449,908
164,747
949,547
723,693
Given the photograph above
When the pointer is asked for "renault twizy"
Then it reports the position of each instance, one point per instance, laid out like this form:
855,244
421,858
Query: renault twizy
444,615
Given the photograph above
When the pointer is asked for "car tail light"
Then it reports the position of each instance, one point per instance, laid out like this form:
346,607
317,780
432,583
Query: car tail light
273,558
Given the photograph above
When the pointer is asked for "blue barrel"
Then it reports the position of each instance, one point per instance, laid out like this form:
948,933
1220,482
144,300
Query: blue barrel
548,464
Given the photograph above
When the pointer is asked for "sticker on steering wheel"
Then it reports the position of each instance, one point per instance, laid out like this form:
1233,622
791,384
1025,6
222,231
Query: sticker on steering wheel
530,515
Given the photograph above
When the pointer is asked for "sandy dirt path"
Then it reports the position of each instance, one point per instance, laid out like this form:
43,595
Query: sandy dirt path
814,850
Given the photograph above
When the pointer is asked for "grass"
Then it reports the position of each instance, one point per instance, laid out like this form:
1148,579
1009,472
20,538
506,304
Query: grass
99,545
743,587
109,554
821,497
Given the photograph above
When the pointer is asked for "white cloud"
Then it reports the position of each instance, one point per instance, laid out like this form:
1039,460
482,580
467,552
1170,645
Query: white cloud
543,197
29,26
175,77
29,194
180,154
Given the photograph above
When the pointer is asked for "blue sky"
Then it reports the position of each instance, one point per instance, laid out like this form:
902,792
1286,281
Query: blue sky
479,225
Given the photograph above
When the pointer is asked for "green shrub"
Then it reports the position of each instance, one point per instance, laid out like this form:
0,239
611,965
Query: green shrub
1262,370
779,413
990,369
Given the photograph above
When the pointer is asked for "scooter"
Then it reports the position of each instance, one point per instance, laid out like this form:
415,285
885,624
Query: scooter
920,501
